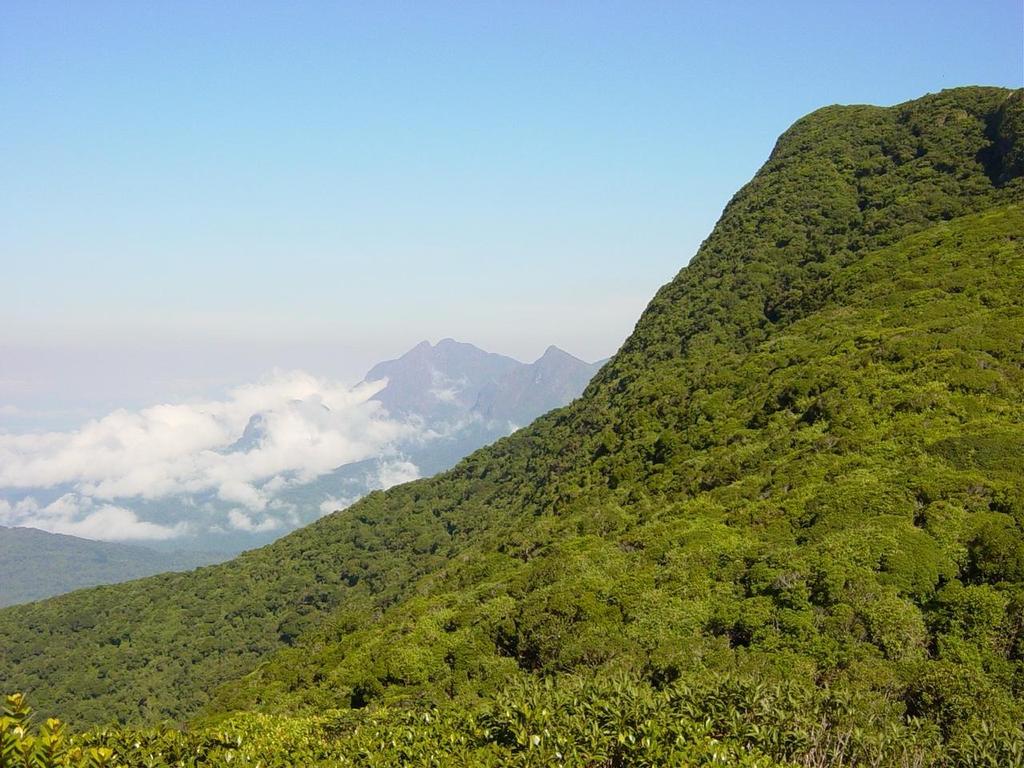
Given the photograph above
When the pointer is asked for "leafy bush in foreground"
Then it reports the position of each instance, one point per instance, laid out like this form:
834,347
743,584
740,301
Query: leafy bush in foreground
732,721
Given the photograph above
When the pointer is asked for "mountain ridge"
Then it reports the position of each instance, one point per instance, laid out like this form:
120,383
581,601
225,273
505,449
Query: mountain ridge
552,380
434,381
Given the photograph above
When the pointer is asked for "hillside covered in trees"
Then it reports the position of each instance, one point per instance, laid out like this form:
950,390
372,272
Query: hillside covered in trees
783,526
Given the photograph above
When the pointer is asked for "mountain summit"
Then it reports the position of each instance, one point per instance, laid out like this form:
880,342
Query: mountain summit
437,382
783,525
515,398
466,397
454,379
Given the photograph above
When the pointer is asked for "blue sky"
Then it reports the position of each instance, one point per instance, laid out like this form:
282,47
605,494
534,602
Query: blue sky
193,193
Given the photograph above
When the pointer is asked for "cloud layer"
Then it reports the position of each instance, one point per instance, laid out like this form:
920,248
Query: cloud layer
75,515
242,451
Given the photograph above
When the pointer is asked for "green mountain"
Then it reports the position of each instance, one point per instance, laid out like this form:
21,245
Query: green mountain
37,564
786,519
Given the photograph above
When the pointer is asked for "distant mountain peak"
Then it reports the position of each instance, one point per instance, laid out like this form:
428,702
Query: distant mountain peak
553,353
439,381
455,379
252,436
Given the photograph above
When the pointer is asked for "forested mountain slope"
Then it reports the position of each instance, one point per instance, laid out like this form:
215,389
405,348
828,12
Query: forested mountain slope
849,513
804,465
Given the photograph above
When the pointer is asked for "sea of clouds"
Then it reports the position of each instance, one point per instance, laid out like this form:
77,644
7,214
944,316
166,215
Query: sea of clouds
236,457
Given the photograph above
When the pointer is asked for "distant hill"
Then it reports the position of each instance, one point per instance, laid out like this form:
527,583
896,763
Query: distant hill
36,564
463,396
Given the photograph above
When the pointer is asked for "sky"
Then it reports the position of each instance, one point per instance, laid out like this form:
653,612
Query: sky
193,194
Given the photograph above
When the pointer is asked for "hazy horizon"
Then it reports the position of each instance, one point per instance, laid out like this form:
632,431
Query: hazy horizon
32,406
195,194
238,465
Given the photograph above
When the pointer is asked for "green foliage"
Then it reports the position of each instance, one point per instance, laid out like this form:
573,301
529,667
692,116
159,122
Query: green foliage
733,720
802,472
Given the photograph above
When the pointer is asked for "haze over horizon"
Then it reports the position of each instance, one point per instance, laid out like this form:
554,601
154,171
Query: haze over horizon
231,471
193,196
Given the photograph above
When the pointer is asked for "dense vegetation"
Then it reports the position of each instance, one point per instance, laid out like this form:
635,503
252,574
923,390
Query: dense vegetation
728,721
785,524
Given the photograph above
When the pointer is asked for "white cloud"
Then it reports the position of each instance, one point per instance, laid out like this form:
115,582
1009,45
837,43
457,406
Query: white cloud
80,516
240,521
333,504
447,395
240,492
396,472
244,449
444,389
